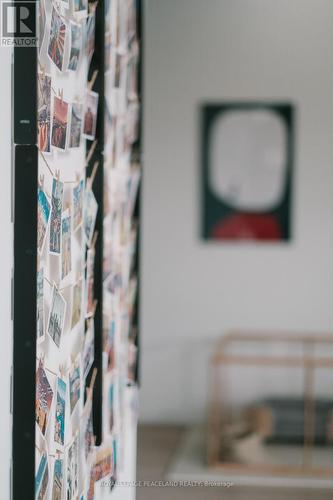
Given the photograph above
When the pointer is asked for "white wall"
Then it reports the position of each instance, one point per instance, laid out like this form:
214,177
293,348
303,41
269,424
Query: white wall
199,50
6,262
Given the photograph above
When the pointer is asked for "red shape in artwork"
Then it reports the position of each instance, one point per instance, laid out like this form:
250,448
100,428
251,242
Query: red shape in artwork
244,226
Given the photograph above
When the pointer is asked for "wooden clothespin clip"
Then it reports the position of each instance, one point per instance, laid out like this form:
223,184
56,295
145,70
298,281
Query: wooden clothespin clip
91,151
93,242
77,177
62,371
93,173
92,381
61,94
41,181
93,79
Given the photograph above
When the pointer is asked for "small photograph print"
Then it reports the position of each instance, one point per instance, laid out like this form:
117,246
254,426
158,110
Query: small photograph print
40,306
76,303
88,431
90,115
90,283
90,36
42,478
78,192
76,125
66,244
80,6
74,385
43,216
57,316
60,123
59,428
88,350
89,215
72,470
56,210
76,45
44,112
58,479
103,464
57,39
44,397
41,24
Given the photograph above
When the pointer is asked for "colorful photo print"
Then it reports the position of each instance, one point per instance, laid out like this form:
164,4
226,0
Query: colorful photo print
103,464
76,125
56,322
90,36
40,305
90,115
76,303
56,210
80,6
43,215
60,123
44,396
78,192
90,283
41,24
58,479
88,350
42,478
74,386
66,244
90,213
59,428
72,470
88,431
57,39
44,112
76,45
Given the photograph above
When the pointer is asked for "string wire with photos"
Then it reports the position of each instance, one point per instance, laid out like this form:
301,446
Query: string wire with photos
69,460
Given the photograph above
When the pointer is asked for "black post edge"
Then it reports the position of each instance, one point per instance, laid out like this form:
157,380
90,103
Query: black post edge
97,63
24,367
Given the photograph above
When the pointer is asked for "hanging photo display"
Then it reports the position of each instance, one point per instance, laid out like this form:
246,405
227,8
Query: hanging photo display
44,112
74,209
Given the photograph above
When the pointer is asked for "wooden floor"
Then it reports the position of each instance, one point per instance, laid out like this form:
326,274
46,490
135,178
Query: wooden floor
156,446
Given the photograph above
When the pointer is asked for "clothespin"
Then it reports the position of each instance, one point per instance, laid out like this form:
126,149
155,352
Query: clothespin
42,358
93,79
77,177
93,174
61,94
41,181
93,243
62,371
91,151
92,382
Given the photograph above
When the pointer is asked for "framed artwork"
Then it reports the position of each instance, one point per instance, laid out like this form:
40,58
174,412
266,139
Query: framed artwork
247,171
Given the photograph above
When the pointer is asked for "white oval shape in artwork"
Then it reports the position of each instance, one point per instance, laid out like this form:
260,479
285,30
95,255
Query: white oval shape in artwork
249,159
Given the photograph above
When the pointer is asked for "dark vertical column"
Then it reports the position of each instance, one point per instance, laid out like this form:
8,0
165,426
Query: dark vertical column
137,212
97,64
25,159
24,366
